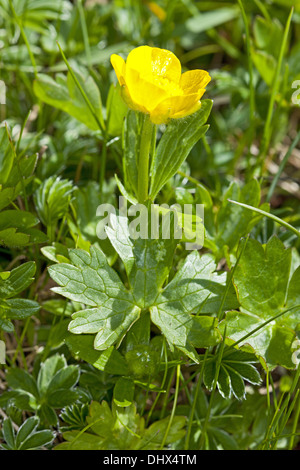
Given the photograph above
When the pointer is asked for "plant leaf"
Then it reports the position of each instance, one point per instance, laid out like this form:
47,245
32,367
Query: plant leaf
147,261
110,360
93,282
124,392
65,95
264,288
176,143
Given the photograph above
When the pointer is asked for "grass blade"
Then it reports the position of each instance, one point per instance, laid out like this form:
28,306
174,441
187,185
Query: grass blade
270,216
267,129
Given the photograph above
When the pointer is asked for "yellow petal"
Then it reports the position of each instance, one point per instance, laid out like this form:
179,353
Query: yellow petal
165,64
139,59
184,112
129,101
175,107
119,65
193,80
154,63
144,93
151,74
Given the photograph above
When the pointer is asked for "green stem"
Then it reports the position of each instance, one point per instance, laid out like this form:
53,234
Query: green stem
264,444
173,408
164,406
85,33
267,214
281,412
250,63
295,424
98,119
19,23
18,168
286,417
21,132
263,9
268,392
19,348
282,166
208,413
103,165
267,129
229,280
144,157
255,330
195,401
153,407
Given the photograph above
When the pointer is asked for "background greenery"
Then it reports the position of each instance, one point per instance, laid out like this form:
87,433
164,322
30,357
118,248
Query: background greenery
56,167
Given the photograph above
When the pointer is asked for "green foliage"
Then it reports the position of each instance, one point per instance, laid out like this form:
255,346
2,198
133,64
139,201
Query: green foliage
6,156
196,288
74,416
217,436
147,261
84,225
52,199
204,21
110,360
131,149
94,283
28,436
123,392
176,143
116,110
91,281
129,343
236,366
16,229
20,175
13,283
266,288
53,388
120,429
142,361
37,13
65,95
232,222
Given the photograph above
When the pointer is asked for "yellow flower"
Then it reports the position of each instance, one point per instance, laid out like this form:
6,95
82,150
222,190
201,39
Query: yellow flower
151,82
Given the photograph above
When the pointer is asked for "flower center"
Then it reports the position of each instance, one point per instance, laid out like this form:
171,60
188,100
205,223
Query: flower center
167,86
172,88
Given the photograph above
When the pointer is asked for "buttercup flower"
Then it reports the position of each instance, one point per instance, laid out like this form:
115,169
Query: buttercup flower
152,83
